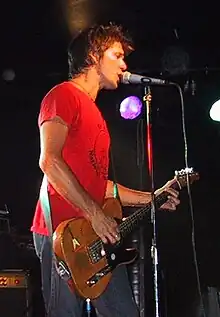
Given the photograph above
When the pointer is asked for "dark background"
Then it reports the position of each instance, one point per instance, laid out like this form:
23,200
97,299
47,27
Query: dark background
177,41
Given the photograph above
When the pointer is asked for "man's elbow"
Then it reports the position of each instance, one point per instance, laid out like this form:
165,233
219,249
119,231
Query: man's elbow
45,163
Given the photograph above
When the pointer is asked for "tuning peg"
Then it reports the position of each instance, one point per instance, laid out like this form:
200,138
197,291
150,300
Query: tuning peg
187,170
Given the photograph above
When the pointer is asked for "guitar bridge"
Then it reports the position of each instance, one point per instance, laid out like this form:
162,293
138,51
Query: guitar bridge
96,277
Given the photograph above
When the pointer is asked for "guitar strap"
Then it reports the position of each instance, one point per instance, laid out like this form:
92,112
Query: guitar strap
115,183
46,207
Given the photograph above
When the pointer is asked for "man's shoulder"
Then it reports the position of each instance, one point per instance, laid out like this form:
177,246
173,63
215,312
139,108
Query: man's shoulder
60,91
59,88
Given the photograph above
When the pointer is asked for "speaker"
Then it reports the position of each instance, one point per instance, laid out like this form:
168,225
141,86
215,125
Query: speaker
15,294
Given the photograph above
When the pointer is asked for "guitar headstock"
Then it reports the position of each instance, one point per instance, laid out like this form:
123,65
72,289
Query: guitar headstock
184,174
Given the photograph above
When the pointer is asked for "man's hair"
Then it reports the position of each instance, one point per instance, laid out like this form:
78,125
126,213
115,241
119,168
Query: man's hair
95,40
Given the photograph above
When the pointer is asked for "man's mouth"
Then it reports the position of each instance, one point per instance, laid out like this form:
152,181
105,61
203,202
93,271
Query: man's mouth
119,78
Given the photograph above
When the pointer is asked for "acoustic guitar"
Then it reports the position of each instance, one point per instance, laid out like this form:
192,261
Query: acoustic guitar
90,261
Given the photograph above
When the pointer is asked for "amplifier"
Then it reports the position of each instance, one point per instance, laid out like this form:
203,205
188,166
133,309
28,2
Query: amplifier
15,294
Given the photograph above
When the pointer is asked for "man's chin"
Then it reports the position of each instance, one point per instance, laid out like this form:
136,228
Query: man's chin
112,86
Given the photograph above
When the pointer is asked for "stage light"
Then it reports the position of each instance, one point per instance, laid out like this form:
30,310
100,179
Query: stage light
8,75
215,111
175,60
130,107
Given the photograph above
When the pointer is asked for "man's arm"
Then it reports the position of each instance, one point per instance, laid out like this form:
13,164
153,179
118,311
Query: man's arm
53,134
131,197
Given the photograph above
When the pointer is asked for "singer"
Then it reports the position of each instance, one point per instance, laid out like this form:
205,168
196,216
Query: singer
74,157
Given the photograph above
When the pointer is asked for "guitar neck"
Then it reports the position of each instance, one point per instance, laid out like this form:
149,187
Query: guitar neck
135,220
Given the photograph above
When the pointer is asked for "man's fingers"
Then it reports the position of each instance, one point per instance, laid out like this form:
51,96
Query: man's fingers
103,238
113,230
114,235
172,191
173,199
110,234
108,237
107,229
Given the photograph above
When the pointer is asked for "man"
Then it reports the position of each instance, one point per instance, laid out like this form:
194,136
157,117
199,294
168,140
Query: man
75,156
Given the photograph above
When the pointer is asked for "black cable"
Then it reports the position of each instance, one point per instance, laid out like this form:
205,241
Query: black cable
190,196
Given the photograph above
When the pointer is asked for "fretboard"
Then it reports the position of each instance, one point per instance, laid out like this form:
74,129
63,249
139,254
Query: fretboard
135,220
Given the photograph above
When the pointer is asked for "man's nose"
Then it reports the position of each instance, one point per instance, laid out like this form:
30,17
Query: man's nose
123,66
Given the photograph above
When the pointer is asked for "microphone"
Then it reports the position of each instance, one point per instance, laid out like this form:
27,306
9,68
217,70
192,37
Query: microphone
128,78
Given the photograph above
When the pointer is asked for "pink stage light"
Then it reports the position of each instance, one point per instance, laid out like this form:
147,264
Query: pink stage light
130,107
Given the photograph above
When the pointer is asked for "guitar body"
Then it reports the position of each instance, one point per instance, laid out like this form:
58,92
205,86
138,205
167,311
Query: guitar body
88,260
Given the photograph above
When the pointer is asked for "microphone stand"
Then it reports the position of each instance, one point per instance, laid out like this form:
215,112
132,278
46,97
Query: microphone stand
154,255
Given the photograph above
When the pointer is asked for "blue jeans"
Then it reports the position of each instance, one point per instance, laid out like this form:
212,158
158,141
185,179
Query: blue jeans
116,301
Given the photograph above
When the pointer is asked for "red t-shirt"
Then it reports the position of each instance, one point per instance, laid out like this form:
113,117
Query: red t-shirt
86,150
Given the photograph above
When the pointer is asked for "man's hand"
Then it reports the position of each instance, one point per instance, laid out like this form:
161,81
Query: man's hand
105,227
172,199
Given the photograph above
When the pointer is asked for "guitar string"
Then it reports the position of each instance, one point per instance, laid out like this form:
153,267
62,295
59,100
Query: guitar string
98,243
96,246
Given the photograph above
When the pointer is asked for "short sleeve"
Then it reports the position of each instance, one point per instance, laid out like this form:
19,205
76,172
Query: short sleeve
61,102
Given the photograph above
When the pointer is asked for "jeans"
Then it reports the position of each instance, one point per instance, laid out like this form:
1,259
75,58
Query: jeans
116,301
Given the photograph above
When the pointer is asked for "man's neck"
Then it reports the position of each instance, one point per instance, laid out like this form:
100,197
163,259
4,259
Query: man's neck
87,83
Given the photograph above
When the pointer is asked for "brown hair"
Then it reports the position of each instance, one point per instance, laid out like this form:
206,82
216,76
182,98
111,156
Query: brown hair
95,40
